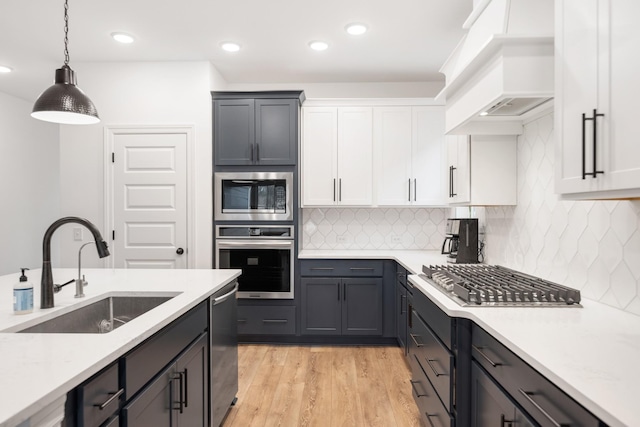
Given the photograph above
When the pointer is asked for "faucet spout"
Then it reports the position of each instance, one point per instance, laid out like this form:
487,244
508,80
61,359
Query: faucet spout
46,283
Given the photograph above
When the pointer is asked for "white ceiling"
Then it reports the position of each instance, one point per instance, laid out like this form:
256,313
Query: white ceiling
407,41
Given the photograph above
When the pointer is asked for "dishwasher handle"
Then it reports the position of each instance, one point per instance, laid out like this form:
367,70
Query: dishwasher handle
223,298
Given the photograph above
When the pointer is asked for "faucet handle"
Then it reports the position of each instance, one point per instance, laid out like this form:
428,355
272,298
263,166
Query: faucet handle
58,288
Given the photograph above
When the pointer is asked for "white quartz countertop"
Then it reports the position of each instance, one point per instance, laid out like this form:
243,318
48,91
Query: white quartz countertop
592,353
38,369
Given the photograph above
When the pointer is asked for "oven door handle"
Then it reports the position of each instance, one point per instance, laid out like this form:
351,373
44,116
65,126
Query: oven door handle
256,244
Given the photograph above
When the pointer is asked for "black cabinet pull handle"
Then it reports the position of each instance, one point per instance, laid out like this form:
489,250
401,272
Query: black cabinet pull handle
413,337
527,395
344,291
361,268
409,189
321,268
180,379
415,190
594,119
257,153
413,386
453,193
491,362
113,397
437,374
338,291
429,418
274,320
410,319
401,306
340,189
503,421
334,189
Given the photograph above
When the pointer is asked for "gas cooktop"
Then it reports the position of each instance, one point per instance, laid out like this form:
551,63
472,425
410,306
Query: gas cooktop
472,285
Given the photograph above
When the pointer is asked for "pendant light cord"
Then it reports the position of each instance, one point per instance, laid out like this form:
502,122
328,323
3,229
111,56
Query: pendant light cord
66,32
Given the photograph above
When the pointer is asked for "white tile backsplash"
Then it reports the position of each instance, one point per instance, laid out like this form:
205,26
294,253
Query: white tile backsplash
392,228
590,245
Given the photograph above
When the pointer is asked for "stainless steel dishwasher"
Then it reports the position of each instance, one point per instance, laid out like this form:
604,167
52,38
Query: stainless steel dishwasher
223,354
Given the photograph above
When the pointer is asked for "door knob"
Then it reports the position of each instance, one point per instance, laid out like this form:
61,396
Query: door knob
180,251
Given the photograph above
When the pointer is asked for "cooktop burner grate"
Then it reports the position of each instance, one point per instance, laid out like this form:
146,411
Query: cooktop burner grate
493,285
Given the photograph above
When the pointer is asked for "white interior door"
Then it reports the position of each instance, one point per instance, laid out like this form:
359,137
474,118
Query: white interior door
149,175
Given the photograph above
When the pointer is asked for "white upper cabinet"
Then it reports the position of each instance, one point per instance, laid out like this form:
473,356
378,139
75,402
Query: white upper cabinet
482,170
408,156
337,156
597,154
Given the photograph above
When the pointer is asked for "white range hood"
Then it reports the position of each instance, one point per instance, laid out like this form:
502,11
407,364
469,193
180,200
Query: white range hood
501,72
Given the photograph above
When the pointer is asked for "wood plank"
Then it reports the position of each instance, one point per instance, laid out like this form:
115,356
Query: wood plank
316,398
346,409
249,360
396,375
287,398
377,410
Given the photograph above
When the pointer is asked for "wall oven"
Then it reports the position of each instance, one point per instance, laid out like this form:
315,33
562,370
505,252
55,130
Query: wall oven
265,254
253,196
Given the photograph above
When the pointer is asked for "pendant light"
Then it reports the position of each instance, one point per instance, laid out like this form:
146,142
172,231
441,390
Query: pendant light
64,102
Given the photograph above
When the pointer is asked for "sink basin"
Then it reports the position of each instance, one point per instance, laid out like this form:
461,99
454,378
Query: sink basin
99,317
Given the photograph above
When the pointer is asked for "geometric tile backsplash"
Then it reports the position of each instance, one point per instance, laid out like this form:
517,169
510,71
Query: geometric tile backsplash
380,228
593,246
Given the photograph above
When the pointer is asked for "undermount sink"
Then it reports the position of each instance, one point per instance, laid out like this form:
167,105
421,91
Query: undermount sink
99,317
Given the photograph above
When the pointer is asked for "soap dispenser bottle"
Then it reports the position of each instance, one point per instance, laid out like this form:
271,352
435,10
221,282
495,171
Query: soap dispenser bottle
23,295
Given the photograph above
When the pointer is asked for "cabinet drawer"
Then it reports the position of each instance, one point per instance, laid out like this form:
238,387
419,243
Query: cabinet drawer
435,360
435,318
537,395
149,358
432,412
266,320
99,397
341,268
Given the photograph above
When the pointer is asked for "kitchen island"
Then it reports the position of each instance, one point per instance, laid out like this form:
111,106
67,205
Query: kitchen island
590,353
39,369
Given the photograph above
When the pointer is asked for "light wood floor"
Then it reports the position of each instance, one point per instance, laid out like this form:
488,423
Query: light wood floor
282,385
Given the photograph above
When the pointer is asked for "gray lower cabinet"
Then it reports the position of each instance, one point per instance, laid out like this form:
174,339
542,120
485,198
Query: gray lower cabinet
490,405
341,306
401,307
178,396
99,398
266,320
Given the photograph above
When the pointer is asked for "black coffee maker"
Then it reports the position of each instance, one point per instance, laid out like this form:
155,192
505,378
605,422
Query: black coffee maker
461,240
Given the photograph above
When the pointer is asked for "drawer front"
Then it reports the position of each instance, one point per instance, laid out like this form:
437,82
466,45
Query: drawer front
435,360
437,319
149,358
266,320
544,402
341,268
100,397
432,412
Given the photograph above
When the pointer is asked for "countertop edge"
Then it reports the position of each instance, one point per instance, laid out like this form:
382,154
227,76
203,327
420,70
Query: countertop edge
51,396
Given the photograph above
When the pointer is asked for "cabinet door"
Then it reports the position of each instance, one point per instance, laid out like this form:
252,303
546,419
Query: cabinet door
618,19
458,169
355,156
576,93
156,403
193,397
392,156
362,306
276,131
234,131
490,406
319,156
321,303
427,156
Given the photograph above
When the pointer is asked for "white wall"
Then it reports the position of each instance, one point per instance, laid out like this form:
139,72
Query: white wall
350,90
590,245
149,93
29,184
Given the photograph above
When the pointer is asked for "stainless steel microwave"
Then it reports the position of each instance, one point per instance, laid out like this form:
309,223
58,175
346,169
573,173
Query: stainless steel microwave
253,196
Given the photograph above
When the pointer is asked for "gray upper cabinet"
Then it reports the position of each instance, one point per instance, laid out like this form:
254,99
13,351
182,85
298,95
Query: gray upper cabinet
234,131
256,128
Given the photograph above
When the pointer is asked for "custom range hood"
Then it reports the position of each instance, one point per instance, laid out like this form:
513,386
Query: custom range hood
501,72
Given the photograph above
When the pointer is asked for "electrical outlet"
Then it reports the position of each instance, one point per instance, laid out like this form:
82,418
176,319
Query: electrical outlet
77,234
341,239
396,239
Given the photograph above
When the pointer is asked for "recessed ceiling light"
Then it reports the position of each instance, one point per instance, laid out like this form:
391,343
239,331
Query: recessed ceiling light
122,38
484,113
356,29
4,69
318,45
230,46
